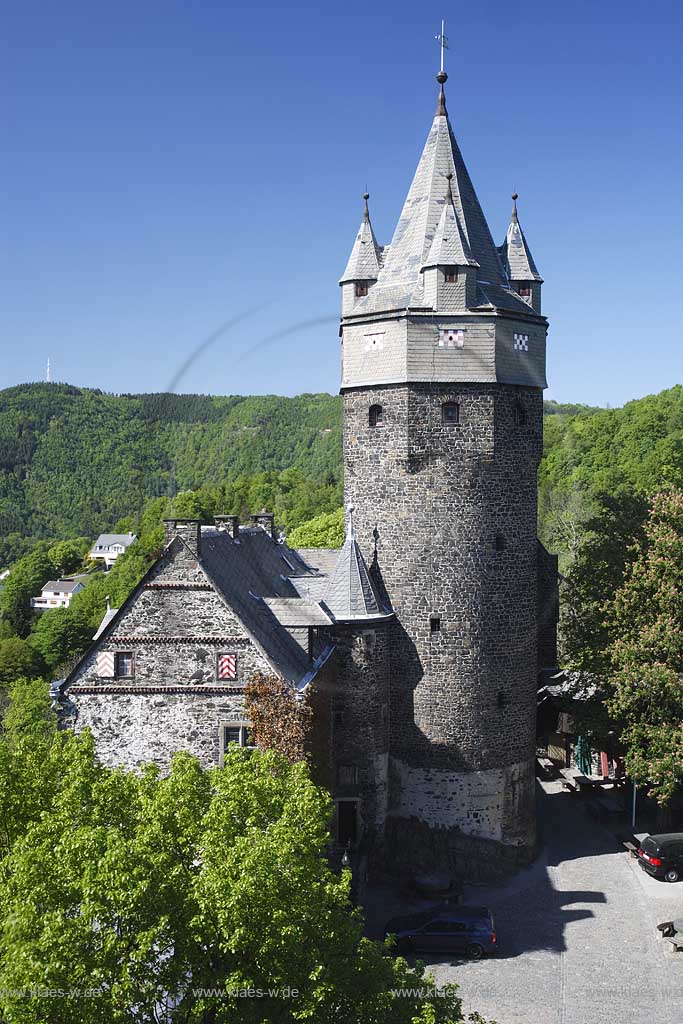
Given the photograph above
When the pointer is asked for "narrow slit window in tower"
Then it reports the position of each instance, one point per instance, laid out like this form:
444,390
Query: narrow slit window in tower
520,415
434,624
451,275
501,543
361,289
375,416
450,414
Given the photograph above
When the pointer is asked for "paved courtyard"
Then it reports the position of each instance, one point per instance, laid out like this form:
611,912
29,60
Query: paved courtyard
578,943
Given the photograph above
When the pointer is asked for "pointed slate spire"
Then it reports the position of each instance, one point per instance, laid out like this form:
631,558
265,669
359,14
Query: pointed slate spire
364,260
450,247
351,595
515,251
423,209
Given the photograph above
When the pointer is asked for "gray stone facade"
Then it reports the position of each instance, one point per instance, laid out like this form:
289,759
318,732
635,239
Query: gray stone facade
454,506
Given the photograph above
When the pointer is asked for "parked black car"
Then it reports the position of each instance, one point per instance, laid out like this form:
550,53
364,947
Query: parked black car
467,930
662,856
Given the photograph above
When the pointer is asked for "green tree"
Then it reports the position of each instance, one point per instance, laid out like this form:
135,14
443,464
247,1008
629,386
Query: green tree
67,555
60,634
25,581
324,531
30,760
646,619
597,571
19,658
168,896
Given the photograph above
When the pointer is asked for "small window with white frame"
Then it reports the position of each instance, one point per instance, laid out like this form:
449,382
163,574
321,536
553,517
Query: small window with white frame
237,734
123,664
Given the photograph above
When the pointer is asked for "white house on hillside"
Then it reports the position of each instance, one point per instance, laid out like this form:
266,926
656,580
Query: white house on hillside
56,594
109,546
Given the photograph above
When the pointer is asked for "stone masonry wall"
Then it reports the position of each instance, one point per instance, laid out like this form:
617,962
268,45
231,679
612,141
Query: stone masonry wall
175,627
360,725
455,507
131,729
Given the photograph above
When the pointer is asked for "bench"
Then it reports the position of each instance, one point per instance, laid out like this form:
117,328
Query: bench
545,766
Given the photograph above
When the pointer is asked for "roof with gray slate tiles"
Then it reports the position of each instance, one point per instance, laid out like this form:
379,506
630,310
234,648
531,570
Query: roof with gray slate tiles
365,258
426,222
351,594
515,252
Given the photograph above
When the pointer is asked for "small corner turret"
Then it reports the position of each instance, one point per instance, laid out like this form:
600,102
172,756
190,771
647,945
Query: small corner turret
519,263
362,269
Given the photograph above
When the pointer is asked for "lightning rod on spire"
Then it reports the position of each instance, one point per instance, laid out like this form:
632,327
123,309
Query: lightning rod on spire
443,40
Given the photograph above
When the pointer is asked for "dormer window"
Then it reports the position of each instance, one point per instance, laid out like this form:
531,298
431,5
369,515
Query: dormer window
450,414
525,291
361,289
375,416
451,275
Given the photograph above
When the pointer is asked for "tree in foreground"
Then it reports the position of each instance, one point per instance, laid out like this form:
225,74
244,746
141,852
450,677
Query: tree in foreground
202,897
646,621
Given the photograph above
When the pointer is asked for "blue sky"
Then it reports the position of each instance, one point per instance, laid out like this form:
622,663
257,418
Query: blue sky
170,166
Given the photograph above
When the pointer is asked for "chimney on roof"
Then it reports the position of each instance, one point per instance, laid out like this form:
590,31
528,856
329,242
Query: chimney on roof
266,520
189,530
230,524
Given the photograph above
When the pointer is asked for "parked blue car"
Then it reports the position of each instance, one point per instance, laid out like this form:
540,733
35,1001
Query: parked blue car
468,930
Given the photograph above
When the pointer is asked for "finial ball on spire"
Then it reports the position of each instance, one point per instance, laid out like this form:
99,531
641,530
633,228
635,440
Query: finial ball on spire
515,196
442,77
366,196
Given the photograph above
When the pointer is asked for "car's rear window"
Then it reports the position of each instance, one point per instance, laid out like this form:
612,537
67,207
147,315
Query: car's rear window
650,846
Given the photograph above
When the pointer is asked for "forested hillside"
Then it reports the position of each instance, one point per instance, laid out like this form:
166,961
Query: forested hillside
74,461
599,454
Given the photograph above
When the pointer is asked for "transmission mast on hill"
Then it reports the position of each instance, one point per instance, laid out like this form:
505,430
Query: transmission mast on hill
48,372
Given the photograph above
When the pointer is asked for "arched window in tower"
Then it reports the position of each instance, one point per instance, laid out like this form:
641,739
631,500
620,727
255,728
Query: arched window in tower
521,418
361,289
375,418
450,414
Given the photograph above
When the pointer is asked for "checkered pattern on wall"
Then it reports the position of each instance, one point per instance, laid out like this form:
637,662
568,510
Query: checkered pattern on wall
521,342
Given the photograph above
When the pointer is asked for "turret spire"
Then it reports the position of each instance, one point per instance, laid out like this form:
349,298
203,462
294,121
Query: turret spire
515,251
364,261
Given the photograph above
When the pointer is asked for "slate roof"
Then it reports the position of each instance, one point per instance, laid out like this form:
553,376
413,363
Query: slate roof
424,221
276,592
107,540
365,258
62,586
516,253
449,245
246,573
350,593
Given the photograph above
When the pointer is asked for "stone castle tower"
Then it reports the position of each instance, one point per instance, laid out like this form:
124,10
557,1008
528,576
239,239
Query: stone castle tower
443,371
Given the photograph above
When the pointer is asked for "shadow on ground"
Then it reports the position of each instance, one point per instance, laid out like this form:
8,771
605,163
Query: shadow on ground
529,912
